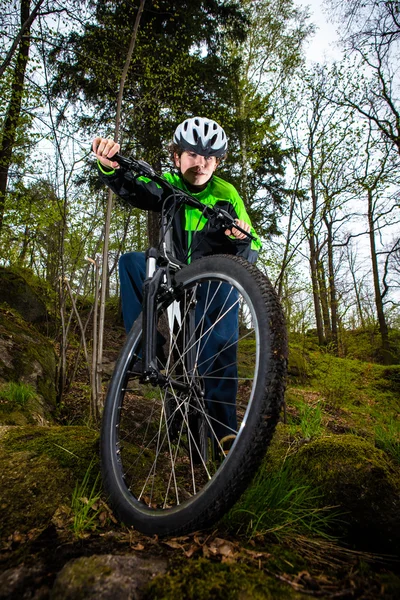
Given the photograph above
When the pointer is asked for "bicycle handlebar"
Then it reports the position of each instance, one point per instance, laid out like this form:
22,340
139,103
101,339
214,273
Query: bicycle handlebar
143,168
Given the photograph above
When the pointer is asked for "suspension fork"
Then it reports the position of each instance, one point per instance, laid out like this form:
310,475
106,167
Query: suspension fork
157,280
151,286
157,277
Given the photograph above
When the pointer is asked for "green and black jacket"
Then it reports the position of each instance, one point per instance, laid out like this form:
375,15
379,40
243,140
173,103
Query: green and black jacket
193,234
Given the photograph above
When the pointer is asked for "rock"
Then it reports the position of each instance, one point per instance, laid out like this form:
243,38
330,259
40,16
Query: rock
26,357
106,577
361,481
298,366
15,582
20,295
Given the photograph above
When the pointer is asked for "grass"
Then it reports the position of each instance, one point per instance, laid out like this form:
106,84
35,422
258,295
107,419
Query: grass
16,395
85,504
310,420
387,438
281,505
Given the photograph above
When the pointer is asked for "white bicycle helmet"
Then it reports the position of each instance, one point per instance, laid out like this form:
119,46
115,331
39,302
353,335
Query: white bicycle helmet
203,136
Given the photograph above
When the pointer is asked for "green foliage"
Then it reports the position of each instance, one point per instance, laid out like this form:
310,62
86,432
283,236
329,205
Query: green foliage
39,466
173,68
281,504
298,364
15,395
365,344
202,579
85,503
335,378
310,420
387,437
70,447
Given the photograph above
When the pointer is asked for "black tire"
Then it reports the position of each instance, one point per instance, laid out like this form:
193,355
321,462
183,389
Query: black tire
170,480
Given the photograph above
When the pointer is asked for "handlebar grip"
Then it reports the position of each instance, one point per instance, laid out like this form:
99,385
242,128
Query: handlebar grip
140,166
119,159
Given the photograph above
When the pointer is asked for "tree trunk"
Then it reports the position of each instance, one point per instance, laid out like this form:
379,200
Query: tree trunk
332,286
315,288
244,191
314,262
153,218
383,328
285,260
104,278
14,108
323,293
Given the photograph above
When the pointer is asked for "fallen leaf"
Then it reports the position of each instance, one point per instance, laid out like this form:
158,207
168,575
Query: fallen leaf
193,548
138,547
173,544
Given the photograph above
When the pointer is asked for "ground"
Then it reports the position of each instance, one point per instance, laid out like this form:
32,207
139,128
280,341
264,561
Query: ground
321,519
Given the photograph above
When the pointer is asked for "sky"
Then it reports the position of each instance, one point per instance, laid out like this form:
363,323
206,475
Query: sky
324,43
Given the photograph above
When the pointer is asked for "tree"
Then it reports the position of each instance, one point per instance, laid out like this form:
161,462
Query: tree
271,53
13,111
371,34
375,176
324,141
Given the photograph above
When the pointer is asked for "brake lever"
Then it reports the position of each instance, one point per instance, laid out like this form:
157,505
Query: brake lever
229,223
141,167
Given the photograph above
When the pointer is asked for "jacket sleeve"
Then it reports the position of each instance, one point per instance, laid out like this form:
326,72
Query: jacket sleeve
246,249
140,192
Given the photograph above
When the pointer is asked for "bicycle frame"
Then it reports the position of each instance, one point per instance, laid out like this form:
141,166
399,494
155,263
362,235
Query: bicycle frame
160,269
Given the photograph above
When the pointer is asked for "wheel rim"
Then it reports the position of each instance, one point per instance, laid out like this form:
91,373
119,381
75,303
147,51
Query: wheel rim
167,440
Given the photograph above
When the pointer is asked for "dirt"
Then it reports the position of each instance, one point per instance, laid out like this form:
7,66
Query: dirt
48,560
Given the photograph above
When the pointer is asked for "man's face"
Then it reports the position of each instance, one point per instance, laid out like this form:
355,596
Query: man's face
196,169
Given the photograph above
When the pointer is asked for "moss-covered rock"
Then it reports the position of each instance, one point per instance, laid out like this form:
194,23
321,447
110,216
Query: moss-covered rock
202,579
28,357
23,294
362,481
39,468
298,365
106,577
341,485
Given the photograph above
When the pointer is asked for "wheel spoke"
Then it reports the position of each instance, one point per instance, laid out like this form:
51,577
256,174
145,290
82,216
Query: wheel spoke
166,448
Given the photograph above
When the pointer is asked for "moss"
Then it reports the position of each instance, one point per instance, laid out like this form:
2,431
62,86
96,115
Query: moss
79,577
203,579
71,447
34,412
389,379
39,467
298,364
24,290
32,488
347,472
359,478
27,355
11,416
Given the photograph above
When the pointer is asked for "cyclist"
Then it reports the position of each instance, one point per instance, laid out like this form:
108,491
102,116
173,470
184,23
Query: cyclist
199,144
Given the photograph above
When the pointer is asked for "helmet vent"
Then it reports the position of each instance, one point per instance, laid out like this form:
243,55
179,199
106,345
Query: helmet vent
202,136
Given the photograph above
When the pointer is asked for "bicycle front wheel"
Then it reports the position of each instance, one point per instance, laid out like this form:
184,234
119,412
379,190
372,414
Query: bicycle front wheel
175,458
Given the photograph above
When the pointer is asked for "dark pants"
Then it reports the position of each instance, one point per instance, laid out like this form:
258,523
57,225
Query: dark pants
218,338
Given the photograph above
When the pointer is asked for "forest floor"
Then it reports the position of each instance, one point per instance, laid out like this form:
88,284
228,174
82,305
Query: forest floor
104,559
